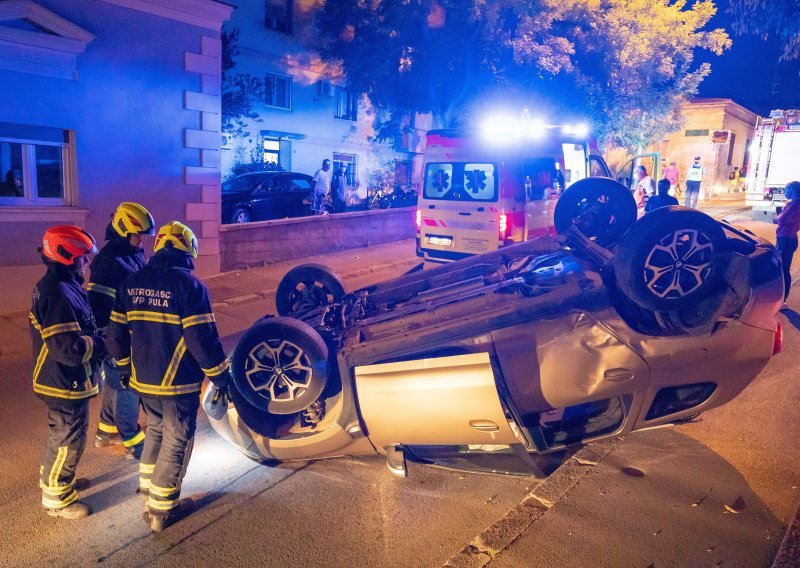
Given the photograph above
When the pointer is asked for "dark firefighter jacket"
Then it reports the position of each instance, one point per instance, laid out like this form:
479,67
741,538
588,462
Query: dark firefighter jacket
163,328
114,264
66,345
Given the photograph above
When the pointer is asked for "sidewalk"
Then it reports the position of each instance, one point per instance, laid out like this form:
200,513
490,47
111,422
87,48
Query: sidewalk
242,296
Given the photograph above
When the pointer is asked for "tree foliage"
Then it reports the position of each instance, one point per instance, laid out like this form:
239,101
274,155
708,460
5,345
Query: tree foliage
765,17
239,90
629,63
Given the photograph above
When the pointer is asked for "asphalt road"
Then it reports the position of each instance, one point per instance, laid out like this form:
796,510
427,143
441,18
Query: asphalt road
657,499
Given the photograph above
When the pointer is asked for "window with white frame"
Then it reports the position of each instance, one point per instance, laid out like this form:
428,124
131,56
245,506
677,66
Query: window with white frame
272,151
33,165
346,104
278,90
278,15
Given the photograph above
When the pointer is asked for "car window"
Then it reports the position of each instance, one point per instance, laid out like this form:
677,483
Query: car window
238,184
301,184
266,186
461,181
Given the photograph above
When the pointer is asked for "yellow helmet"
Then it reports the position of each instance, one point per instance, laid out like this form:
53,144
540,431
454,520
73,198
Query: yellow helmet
179,235
132,219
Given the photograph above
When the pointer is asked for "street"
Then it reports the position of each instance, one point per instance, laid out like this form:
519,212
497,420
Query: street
716,491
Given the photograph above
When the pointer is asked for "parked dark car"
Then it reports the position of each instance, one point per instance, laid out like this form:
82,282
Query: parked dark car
614,326
262,196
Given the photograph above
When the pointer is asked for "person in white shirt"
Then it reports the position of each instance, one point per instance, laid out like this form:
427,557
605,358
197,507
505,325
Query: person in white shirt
645,188
322,187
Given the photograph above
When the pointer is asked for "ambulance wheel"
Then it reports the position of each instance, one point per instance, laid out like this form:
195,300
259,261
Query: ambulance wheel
601,208
669,259
280,365
306,287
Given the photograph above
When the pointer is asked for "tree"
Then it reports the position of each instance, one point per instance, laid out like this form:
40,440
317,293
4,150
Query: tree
628,62
239,90
765,17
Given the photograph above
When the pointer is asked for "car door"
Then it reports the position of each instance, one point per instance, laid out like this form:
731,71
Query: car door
298,200
626,174
262,199
570,379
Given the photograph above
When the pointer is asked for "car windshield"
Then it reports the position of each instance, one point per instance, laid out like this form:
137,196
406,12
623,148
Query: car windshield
461,181
239,184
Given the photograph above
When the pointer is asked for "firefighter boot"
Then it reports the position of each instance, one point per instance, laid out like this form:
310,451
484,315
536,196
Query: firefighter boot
159,521
134,452
105,439
77,510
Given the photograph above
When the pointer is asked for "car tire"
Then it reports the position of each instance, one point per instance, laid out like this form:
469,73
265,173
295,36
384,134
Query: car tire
669,259
601,208
306,287
241,215
280,365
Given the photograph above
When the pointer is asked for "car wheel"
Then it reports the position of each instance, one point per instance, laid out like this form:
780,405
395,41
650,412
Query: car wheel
600,207
241,215
280,365
306,287
669,259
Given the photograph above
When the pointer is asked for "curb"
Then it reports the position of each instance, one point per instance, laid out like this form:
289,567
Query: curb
490,543
262,294
789,552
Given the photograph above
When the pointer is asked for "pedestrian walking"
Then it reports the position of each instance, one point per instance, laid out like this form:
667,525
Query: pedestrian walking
734,180
788,222
694,177
321,188
339,189
662,199
672,174
121,257
162,333
66,348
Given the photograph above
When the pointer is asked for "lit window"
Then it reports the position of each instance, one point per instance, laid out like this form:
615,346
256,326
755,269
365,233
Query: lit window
32,164
278,15
346,104
272,151
278,90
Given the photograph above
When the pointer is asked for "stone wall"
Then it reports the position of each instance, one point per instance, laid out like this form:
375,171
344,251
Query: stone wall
256,244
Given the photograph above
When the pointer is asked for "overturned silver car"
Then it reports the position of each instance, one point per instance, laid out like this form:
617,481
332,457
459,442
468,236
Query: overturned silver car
615,325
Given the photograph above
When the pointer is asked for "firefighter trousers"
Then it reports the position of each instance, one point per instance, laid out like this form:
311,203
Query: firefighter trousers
67,422
171,423
119,412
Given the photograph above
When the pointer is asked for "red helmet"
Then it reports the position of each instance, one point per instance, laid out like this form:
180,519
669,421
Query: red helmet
65,243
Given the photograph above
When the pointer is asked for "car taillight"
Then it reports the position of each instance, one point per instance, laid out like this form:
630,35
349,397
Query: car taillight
502,225
778,343
419,219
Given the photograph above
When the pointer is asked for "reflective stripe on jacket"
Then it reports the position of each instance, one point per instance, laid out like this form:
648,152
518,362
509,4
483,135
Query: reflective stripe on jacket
114,264
66,346
163,328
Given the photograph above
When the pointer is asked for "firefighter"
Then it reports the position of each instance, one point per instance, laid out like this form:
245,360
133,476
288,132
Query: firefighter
121,257
162,331
67,348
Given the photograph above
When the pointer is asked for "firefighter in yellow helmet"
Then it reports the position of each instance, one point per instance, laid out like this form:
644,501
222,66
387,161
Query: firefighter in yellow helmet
67,349
162,330
120,258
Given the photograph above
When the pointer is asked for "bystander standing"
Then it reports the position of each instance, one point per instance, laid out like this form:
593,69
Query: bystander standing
788,225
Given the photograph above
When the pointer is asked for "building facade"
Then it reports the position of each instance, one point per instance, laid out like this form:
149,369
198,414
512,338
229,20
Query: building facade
306,112
106,101
720,131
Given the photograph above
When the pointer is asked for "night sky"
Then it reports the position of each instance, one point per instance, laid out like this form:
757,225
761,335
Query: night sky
749,72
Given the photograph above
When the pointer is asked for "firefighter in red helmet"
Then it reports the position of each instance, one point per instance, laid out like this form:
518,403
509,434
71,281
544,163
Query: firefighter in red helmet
66,350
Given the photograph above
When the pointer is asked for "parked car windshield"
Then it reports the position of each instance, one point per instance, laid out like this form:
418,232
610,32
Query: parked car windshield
240,184
461,181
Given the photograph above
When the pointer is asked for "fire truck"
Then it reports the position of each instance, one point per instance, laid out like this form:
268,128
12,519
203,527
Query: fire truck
774,160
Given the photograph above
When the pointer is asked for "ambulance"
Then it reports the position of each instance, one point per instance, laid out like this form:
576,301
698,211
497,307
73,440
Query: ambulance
484,189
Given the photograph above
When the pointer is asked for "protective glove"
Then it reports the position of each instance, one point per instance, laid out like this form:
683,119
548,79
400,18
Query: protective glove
222,383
